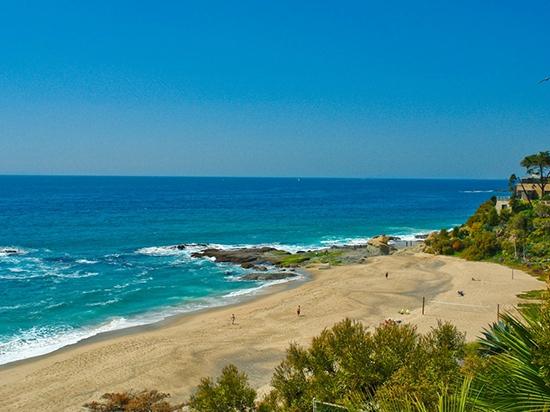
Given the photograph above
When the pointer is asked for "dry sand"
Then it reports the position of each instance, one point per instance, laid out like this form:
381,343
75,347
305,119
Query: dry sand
173,357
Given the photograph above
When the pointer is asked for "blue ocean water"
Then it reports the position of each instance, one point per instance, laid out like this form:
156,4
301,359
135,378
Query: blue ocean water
94,256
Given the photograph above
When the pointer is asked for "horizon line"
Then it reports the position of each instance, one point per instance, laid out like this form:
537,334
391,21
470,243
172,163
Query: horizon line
246,177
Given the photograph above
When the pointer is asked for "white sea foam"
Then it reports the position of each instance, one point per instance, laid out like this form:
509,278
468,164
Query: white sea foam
19,306
476,191
358,241
86,261
40,341
160,251
255,290
75,275
18,276
105,303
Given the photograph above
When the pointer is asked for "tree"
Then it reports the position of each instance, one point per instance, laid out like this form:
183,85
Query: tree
512,181
538,164
230,393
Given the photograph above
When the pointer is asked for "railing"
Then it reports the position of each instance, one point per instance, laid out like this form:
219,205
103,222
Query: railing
503,198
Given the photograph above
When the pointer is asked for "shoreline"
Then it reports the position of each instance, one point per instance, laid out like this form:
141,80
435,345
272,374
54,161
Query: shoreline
172,355
115,326
263,290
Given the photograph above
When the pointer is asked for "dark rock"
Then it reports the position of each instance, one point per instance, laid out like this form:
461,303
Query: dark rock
246,257
9,251
268,276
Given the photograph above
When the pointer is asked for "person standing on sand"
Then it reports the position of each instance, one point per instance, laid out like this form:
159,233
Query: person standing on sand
232,318
298,310
387,274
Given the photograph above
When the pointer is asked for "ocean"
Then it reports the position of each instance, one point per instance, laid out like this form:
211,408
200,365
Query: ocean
93,253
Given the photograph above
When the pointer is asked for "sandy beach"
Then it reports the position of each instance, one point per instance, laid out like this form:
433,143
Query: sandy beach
174,356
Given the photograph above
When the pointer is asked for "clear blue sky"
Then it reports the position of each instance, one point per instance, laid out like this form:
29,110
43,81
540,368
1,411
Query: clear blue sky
273,88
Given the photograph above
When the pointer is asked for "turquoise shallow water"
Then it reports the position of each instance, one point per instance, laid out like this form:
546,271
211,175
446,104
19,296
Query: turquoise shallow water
93,256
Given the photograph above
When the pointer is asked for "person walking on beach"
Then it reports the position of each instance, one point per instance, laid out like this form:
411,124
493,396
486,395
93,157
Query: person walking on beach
298,310
232,318
387,274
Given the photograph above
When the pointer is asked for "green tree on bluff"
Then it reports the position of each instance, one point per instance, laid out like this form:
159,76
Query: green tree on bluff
538,164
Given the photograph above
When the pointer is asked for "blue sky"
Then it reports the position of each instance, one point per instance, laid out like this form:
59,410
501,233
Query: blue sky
273,88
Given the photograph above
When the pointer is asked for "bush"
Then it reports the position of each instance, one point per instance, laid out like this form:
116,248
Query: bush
439,243
457,245
144,401
431,368
230,393
347,363
337,363
483,244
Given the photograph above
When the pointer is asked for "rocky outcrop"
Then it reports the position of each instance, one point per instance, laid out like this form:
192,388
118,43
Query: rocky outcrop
382,243
248,258
260,258
8,251
183,246
268,276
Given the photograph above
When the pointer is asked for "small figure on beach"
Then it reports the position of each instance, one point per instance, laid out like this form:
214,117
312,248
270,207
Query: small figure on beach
298,310
387,274
232,318
460,292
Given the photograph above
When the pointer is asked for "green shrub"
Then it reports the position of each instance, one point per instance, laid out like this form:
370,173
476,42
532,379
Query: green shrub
483,244
230,393
431,368
347,363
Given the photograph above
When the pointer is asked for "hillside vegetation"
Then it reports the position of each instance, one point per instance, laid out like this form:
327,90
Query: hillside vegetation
518,236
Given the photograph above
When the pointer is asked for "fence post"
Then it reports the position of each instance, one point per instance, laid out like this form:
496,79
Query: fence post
314,405
423,303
